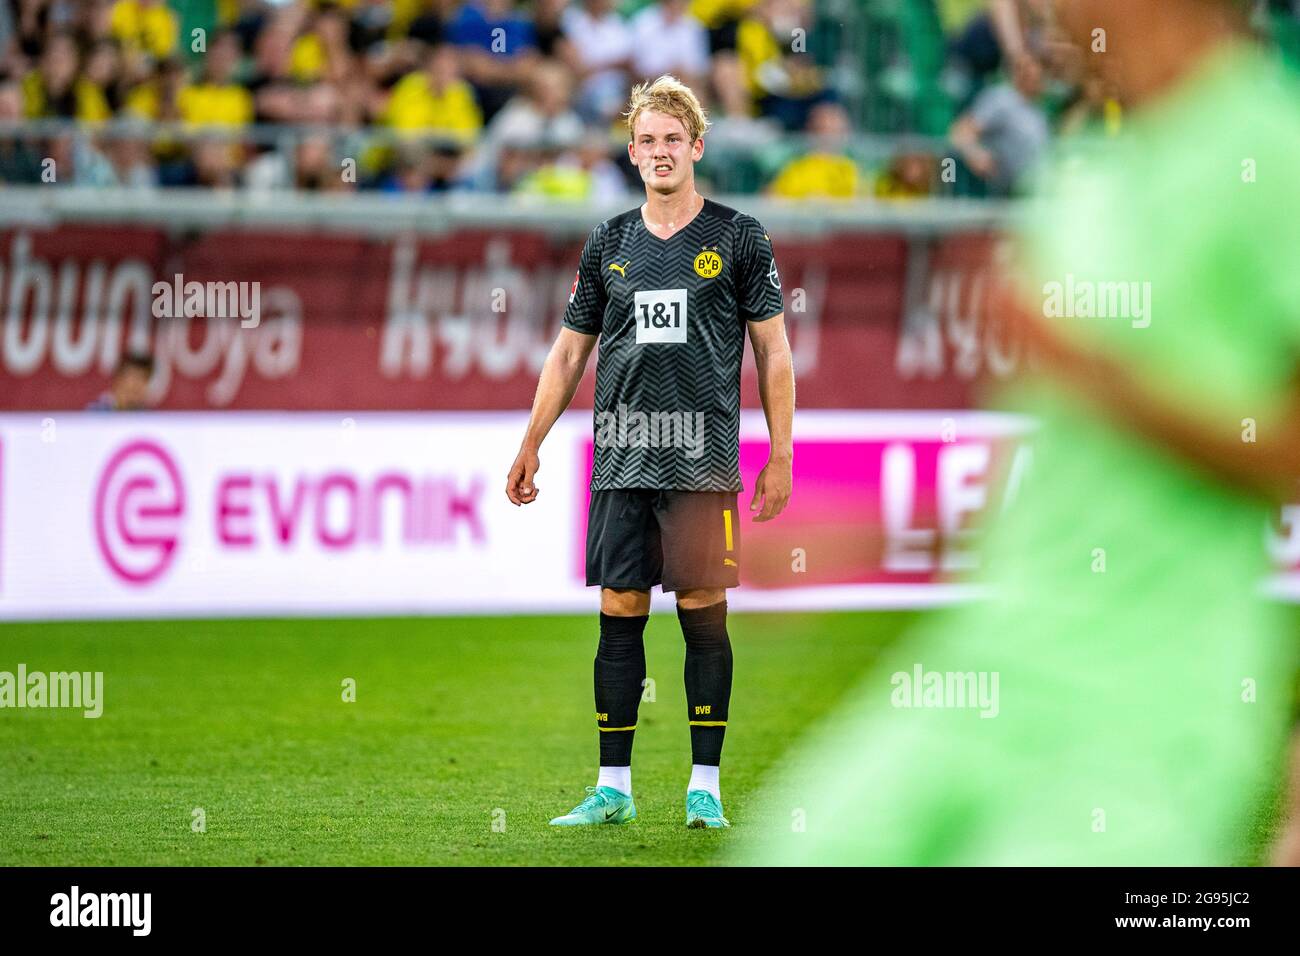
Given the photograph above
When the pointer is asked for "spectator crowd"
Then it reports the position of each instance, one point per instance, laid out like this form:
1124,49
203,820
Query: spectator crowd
503,96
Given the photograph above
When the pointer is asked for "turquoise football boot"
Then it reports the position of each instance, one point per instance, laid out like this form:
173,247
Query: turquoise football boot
703,809
603,805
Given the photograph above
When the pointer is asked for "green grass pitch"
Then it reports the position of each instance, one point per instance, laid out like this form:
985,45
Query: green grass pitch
467,735
458,723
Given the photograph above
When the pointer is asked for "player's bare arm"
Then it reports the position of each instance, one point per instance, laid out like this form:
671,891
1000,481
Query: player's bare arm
1267,467
776,391
559,380
965,135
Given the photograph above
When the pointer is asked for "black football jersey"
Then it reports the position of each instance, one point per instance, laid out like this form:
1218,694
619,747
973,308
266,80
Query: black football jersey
671,317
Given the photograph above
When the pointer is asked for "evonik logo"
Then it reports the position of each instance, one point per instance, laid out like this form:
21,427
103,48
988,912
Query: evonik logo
138,508
141,504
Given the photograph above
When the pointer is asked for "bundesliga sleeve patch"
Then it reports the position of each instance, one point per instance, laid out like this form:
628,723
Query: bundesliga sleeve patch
574,290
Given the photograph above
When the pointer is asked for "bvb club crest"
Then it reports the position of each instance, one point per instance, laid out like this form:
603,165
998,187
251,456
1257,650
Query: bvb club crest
708,264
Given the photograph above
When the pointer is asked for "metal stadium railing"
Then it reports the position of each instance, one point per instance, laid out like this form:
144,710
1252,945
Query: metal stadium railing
381,214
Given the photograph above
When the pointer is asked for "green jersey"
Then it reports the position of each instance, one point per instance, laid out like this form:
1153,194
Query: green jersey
1142,681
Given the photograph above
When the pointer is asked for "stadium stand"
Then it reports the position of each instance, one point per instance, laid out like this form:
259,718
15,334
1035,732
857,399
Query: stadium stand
809,98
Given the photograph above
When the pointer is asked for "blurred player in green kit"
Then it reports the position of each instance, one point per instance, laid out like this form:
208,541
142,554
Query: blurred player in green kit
1143,680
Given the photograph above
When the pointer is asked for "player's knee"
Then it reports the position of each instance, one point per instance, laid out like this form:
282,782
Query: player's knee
624,603
702,613
705,630
696,598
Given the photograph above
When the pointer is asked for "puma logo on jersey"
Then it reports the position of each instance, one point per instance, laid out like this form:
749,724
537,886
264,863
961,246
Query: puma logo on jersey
621,269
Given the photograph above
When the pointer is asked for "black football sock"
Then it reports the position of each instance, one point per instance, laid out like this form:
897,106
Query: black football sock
708,679
620,676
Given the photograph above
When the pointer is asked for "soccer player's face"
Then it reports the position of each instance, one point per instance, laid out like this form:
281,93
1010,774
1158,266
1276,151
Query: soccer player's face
663,152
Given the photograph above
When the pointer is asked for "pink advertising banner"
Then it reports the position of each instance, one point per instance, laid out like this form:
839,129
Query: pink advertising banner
881,499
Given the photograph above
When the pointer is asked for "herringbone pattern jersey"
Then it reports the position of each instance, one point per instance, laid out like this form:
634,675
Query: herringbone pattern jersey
671,317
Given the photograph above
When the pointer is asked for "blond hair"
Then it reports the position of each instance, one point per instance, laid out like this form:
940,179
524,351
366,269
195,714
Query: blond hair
672,97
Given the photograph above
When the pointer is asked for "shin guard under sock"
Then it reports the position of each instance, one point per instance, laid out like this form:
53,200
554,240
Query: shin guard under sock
619,676
708,679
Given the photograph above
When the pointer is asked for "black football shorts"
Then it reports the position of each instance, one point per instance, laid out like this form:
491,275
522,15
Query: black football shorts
640,537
